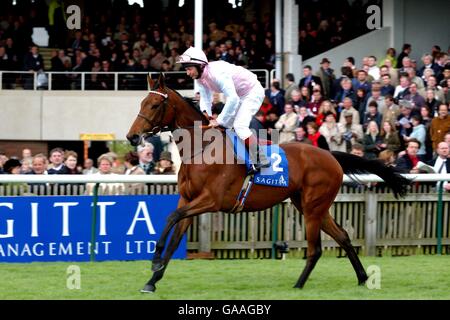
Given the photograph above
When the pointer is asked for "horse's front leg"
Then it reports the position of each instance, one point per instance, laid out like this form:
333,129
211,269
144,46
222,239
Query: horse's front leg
199,205
180,229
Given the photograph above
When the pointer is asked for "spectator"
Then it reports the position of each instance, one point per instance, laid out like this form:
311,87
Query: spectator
165,164
302,136
361,102
287,124
70,162
352,132
392,111
441,163
387,88
316,101
290,86
26,153
145,154
217,104
89,167
440,125
390,55
431,102
372,115
407,163
348,108
361,82
403,88
418,133
416,100
406,51
346,91
12,166
105,164
332,132
374,70
325,107
276,96
27,164
358,150
316,138
387,157
57,162
131,162
33,63
305,95
390,138
257,123
403,123
39,166
309,80
327,77
304,117
378,98
296,99
372,141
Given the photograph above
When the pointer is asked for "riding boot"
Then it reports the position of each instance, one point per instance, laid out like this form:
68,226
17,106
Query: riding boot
257,155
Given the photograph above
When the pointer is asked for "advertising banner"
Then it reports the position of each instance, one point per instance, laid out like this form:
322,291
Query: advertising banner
59,228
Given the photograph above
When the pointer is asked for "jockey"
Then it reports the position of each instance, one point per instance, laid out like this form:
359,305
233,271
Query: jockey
244,96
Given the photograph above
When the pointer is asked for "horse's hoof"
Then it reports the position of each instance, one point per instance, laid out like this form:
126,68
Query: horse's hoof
298,286
148,289
157,267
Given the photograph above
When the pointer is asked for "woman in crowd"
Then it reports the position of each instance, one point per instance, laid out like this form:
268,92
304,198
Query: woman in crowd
331,131
131,162
389,138
105,164
287,124
372,141
316,138
165,164
325,107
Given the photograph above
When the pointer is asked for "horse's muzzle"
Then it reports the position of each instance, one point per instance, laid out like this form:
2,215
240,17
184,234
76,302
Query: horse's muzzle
134,139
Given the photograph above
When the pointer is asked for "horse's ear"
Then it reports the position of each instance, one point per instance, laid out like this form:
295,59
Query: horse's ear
150,81
161,80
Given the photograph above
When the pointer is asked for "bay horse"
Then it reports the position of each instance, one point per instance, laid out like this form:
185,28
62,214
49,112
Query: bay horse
315,177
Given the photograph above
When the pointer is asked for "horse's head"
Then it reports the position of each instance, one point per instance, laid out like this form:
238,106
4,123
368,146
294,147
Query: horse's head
156,111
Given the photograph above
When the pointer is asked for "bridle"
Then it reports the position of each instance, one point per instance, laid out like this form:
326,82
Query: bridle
156,129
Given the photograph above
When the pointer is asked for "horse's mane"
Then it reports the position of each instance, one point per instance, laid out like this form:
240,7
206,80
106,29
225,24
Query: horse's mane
190,102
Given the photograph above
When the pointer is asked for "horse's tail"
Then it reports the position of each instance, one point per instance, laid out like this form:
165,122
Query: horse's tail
352,165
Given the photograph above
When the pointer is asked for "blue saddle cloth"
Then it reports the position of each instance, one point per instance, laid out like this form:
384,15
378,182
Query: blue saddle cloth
277,175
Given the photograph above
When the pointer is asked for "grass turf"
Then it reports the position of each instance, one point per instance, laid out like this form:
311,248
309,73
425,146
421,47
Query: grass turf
413,277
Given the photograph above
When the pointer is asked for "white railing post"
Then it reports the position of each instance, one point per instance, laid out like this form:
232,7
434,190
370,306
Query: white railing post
83,79
34,81
370,224
116,81
50,81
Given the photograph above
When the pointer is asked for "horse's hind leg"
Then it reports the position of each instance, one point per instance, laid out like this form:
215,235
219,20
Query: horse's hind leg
179,230
341,237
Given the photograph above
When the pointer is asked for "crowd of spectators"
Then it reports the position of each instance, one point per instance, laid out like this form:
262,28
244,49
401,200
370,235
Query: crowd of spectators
399,115
60,161
123,40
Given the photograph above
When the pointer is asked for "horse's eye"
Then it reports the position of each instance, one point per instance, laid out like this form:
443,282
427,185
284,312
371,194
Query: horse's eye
155,106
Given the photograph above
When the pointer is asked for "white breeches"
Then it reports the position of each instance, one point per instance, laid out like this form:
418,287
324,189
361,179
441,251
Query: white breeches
248,106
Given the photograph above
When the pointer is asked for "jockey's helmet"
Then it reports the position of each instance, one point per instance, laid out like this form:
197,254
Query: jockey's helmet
193,57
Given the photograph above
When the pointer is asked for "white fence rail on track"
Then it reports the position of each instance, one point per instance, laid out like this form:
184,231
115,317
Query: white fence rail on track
119,80
165,179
